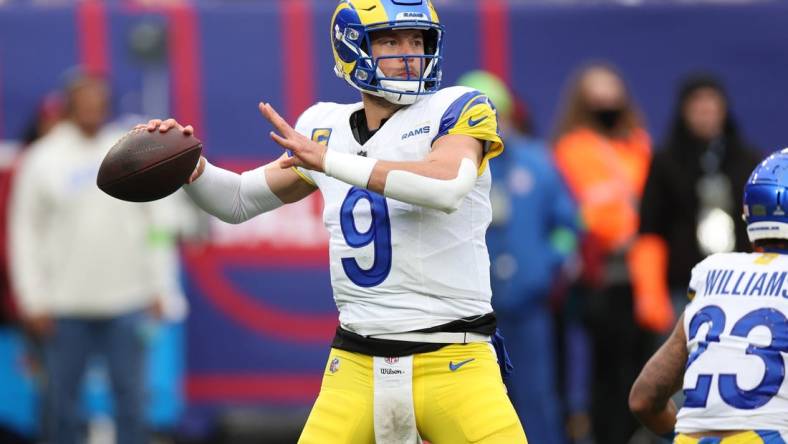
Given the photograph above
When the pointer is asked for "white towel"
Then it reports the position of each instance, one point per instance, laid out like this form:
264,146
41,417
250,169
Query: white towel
394,418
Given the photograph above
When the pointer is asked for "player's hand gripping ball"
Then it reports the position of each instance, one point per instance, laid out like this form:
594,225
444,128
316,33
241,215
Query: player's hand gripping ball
145,166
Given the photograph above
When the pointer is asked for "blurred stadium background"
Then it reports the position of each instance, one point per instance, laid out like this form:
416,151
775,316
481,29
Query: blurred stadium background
249,356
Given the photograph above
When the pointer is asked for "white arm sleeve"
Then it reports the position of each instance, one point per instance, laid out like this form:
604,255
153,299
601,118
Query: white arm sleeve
412,188
443,195
233,198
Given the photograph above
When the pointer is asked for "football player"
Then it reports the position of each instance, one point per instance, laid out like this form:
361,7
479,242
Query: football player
404,177
728,352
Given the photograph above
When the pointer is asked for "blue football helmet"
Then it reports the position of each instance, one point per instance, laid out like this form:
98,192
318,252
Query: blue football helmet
766,198
351,26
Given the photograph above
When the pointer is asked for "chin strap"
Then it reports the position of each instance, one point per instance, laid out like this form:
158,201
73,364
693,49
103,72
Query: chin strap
401,98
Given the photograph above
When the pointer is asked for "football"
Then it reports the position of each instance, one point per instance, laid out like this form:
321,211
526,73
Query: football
144,166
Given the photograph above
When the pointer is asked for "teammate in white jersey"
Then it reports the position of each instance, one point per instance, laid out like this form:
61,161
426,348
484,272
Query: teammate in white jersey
728,352
404,177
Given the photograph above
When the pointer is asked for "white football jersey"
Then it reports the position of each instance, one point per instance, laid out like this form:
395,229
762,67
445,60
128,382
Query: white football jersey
737,338
397,267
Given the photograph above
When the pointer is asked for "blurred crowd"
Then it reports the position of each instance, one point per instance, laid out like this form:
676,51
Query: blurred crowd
90,281
594,234
595,230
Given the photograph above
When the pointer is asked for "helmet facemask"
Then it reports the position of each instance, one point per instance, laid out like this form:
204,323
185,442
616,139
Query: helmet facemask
355,43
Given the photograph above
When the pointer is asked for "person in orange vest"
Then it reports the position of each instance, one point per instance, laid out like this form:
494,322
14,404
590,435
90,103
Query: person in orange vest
603,151
531,239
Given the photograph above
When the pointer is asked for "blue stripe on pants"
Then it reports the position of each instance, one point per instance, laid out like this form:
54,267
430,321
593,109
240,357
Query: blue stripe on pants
770,437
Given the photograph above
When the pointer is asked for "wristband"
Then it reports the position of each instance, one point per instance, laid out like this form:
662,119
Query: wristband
349,168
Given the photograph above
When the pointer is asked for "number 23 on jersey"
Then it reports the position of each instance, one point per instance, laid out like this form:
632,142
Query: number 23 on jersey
771,354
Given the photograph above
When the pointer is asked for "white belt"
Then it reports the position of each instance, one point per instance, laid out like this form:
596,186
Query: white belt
439,337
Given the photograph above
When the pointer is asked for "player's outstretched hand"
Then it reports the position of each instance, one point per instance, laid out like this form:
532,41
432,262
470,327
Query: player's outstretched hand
165,125
305,153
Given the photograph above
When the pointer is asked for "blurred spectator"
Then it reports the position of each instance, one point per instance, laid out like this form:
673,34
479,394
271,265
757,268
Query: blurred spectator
604,152
532,233
691,203
47,114
17,366
87,269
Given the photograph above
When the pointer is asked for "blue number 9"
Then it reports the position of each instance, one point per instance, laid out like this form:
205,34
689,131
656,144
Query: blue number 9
379,232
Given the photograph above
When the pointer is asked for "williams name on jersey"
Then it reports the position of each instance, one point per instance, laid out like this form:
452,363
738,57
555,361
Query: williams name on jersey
737,338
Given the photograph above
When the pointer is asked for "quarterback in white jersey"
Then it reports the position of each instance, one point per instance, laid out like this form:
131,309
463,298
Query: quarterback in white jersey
406,188
419,267
729,350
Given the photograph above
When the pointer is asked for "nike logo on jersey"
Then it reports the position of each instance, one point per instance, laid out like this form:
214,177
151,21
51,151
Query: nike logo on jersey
472,122
423,130
453,367
370,8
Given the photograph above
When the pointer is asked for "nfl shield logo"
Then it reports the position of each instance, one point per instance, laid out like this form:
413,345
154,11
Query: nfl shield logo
391,360
334,367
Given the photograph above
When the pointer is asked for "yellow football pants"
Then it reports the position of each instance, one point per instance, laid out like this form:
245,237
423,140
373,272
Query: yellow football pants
464,405
748,437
